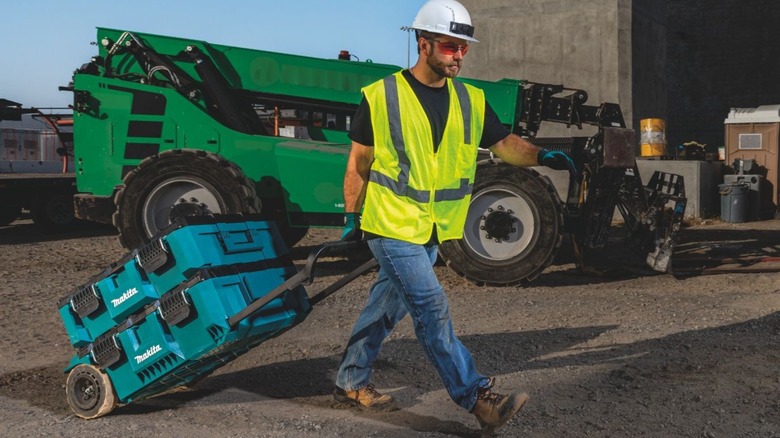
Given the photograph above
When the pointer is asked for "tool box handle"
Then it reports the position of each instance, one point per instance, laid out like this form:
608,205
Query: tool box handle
306,276
235,241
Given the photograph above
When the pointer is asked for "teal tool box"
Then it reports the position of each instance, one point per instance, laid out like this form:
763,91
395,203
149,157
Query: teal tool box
144,274
170,333
168,342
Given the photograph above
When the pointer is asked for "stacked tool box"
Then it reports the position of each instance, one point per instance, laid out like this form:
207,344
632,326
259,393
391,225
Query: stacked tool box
158,317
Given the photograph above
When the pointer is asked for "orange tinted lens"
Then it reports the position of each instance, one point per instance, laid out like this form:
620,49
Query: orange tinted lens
452,48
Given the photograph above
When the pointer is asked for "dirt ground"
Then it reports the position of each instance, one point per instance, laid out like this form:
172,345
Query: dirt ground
640,355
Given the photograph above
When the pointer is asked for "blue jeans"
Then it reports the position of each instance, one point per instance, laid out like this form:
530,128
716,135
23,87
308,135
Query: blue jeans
407,284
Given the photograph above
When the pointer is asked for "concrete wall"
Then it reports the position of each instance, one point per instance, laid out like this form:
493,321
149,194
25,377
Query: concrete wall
582,45
687,62
648,45
701,183
721,54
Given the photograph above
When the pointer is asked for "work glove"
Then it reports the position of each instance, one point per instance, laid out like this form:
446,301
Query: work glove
556,160
352,232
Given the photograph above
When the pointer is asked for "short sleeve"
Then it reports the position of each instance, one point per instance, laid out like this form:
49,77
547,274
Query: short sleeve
493,131
360,129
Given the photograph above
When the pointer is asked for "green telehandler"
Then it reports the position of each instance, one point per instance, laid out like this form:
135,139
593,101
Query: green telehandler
167,127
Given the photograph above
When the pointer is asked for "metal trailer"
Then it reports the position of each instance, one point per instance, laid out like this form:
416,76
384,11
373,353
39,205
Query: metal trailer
48,197
36,173
196,297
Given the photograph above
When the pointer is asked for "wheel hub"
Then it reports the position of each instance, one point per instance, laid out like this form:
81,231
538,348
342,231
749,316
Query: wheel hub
498,223
86,392
185,208
178,197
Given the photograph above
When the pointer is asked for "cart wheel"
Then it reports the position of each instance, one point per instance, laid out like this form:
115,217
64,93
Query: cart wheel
90,393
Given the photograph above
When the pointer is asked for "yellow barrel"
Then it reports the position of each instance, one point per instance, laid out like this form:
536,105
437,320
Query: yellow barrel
652,137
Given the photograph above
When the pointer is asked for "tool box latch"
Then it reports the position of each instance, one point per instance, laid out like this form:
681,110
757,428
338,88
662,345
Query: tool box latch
85,301
174,307
106,351
153,256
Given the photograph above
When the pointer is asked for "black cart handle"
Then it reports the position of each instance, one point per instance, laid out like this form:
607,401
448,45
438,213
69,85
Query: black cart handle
306,276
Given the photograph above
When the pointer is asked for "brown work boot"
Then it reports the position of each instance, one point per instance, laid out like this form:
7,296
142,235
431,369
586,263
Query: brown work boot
367,398
493,410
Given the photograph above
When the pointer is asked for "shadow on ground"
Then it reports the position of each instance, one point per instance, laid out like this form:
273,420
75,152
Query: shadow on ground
698,252
663,375
24,231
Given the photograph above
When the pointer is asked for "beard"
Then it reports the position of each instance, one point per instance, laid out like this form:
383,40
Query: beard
444,69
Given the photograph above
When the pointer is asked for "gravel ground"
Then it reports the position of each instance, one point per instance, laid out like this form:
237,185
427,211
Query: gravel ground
636,355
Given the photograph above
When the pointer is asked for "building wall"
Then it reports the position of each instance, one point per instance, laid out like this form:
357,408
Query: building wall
582,45
687,62
649,58
721,54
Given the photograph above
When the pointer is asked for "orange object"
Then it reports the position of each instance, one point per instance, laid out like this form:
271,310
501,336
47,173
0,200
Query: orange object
652,137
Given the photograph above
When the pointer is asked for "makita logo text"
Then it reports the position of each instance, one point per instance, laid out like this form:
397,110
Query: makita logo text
149,353
124,297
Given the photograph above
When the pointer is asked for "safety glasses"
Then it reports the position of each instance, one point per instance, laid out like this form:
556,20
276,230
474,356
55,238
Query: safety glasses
450,48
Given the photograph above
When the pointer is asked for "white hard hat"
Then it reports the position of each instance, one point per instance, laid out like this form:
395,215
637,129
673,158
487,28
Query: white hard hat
445,17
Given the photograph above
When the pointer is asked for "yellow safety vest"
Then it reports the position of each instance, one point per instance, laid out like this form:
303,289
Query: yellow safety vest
411,189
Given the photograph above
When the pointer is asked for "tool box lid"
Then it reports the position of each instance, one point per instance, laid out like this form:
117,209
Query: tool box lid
210,219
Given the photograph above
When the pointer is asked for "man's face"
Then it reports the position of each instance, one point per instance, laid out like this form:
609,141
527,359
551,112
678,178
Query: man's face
446,54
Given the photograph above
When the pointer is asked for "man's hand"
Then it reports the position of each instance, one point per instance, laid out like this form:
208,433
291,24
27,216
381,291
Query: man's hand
556,160
352,232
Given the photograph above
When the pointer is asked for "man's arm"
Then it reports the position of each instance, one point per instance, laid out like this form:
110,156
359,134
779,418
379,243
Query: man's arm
356,176
516,151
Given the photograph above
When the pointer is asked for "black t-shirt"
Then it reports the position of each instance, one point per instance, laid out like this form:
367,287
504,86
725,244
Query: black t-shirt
436,102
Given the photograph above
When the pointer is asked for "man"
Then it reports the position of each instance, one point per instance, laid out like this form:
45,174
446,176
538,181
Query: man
411,170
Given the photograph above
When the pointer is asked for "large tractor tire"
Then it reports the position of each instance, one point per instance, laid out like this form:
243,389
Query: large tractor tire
513,229
179,183
90,392
53,212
